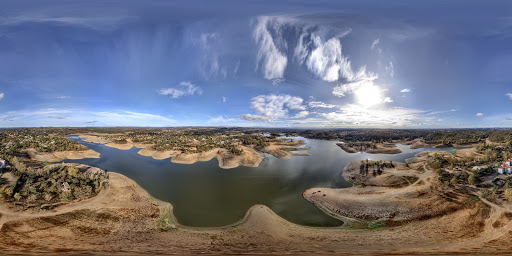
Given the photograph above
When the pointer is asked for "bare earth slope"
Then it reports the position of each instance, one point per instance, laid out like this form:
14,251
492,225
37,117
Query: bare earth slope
124,220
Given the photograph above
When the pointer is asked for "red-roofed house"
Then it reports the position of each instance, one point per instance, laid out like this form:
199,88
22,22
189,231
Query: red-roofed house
504,168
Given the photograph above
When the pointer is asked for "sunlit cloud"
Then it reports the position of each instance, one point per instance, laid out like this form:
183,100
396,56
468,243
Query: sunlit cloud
406,90
351,114
479,114
2,95
509,95
185,89
272,107
319,104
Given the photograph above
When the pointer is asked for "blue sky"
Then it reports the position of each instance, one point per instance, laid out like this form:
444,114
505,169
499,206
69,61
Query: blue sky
398,64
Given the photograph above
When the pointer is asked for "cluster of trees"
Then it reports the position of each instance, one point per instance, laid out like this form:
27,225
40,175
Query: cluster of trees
53,184
376,166
431,136
14,140
361,145
194,140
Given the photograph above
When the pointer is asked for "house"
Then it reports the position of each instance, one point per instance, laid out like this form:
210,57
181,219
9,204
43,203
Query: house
504,169
475,168
66,187
2,163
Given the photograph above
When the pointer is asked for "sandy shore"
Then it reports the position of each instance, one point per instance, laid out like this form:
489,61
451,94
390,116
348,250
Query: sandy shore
249,157
125,220
60,156
382,148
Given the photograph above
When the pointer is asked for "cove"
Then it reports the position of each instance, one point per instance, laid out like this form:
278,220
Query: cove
204,194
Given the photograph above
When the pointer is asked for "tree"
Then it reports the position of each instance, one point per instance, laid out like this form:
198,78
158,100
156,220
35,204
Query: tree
454,180
472,179
508,194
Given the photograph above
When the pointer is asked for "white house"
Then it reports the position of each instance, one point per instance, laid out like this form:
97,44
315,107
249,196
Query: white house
2,163
504,169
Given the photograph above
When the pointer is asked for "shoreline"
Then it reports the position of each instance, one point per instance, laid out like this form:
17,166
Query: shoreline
250,157
125,217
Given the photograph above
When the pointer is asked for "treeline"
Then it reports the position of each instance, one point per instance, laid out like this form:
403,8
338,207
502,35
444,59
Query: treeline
431,136
14,140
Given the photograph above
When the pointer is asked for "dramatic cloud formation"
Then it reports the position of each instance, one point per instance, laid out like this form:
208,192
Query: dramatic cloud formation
272,107
479,114
185,89
323,58
269,59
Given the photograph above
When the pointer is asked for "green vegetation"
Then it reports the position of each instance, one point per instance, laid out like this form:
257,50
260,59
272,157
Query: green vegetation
45,186
40,139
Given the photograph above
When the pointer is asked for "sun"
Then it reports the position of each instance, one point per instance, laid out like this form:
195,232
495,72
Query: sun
368,95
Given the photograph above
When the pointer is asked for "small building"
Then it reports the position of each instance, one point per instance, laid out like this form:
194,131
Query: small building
504,169
3,163
475,168
66,187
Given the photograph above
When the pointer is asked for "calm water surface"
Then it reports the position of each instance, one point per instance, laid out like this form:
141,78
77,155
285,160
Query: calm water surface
203,194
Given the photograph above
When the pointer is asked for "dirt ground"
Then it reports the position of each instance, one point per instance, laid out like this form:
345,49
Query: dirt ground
124,219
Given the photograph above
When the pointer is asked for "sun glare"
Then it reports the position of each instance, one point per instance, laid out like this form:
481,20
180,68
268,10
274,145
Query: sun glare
368,95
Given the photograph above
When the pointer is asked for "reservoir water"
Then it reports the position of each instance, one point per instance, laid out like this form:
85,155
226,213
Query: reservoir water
203,194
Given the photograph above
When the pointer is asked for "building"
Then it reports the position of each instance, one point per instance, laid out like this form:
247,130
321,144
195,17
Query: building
505,168
2,163
66,187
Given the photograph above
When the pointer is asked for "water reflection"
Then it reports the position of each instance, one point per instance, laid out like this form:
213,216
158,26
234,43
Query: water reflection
204,194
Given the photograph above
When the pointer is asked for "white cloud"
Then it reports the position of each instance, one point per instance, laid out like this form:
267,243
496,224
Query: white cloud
352,114
441,112
375,45
106,23
391,68
480,114
271,107
80,117
224,99
319,104
277,81
269,59
405,90
387,99
63,97
185,89
323,59
302,114
509,95
2,95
